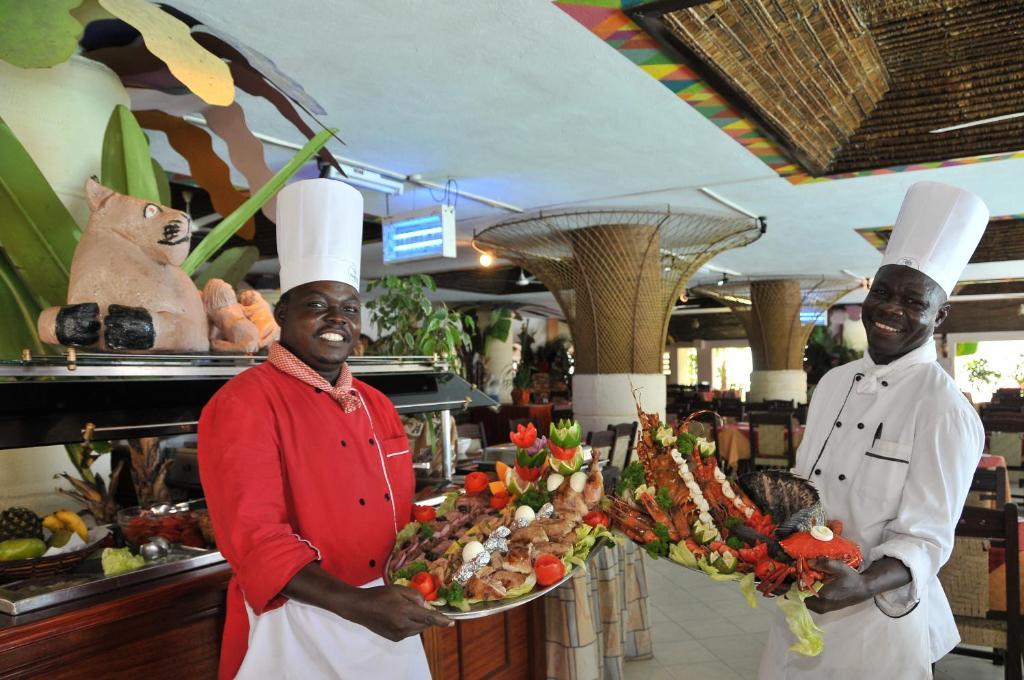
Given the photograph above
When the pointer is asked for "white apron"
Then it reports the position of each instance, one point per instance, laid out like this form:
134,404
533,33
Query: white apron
892,450
298,641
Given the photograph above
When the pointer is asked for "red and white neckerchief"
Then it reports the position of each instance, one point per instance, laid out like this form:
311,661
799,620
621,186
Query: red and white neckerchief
342,391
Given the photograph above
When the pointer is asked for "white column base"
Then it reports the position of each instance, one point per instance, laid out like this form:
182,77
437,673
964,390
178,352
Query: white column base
786,384
600,400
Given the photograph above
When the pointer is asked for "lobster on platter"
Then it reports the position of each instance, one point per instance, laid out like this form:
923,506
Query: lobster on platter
676,501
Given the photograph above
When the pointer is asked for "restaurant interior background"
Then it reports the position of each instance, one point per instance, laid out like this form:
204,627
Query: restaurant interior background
768,146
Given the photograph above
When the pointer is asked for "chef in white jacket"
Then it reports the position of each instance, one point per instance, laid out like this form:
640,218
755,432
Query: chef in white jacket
892,445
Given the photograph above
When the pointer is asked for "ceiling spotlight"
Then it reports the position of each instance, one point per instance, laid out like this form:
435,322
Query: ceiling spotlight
525,280
486,259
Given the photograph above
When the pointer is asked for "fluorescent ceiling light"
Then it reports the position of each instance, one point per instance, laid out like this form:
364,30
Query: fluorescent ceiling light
983,121
365,179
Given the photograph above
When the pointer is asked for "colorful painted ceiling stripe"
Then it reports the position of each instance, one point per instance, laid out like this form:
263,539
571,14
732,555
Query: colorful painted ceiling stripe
606,20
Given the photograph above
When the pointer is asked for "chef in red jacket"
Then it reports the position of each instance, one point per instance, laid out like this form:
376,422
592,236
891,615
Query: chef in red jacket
308,476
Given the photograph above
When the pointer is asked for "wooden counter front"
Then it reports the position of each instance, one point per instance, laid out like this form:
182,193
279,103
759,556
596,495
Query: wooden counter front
169,628
507,646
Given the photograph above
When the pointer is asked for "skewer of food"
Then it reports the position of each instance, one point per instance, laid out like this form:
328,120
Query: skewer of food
764,529
501,539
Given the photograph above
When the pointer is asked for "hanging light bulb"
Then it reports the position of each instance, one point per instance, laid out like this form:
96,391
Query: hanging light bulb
724,280
486,259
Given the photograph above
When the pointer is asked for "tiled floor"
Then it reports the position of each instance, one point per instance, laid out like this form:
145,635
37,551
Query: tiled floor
705,630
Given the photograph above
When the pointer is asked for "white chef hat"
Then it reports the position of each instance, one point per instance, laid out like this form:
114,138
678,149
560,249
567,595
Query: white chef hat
319,232
937,230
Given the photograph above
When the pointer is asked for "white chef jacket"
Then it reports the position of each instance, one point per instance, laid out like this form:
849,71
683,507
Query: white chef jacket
892,450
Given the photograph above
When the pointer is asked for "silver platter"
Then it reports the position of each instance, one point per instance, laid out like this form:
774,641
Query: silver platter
489,608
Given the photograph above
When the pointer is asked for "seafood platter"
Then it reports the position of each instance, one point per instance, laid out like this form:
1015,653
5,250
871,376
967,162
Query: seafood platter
499,543
764,530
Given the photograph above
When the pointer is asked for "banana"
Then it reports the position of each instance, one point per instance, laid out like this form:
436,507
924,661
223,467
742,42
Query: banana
73,522
52,523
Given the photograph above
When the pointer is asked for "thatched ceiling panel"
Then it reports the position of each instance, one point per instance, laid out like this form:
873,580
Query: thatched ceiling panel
852,85
810,69
1003,240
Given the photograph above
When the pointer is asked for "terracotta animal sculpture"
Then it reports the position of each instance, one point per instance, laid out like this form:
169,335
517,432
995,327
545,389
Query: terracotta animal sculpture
230,329
127,290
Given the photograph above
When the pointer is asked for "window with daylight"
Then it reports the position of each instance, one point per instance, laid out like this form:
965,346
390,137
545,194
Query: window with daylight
732,367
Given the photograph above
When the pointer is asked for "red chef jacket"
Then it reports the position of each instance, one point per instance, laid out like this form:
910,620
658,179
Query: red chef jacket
289,478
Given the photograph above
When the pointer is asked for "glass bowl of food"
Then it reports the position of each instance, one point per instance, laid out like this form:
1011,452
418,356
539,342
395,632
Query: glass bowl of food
177,523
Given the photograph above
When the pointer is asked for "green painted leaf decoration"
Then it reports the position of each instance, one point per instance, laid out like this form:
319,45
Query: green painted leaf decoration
18,314
163,185
126,165
38,34
233,222
39,234
231,265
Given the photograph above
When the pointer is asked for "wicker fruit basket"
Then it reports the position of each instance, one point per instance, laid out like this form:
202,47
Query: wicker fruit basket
17,570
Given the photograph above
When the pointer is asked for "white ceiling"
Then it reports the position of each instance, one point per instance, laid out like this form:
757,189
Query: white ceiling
518,102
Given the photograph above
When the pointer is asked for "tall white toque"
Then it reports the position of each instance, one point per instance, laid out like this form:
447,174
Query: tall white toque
937,230
319,232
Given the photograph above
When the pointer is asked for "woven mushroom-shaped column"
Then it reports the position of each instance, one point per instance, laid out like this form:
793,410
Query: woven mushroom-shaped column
616,274
778,315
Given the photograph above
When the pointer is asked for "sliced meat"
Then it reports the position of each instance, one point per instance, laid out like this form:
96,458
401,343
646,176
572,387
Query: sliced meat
556,528
528,534
484,589
509,579
551,548
519,558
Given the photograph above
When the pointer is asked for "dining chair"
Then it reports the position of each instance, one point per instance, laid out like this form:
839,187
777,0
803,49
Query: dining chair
475,433
625,439
965,578
989,487
729,408
771,439
601,443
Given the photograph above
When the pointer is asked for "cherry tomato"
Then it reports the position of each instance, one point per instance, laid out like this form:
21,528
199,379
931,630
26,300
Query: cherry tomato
476,482
423,513
596,518
549,570
499,500
427,584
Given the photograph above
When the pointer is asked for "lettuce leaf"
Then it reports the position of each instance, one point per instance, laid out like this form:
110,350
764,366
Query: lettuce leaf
749,590
680,554
525,588
447,504
808,636
405,534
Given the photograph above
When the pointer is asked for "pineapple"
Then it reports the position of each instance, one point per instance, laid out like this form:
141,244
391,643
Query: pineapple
20,523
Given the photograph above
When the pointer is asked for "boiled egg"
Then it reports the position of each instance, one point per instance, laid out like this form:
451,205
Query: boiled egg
578,481
822,533
525,513
554,481
471,550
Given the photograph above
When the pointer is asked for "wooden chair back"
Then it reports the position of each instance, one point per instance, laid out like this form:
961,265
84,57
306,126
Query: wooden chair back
990,486
1000,527
474,432
764,454
625,440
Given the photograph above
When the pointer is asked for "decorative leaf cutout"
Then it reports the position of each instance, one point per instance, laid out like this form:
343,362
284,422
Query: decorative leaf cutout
205,166
170,40
251,82
38,34
126,166
258,62
163,185
246,152
39,234
18,314
231,265
230,224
